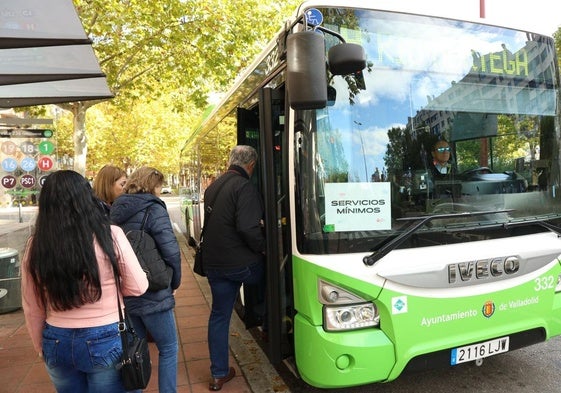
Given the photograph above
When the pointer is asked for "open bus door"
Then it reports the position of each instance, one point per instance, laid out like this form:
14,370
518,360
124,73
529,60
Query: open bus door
263,128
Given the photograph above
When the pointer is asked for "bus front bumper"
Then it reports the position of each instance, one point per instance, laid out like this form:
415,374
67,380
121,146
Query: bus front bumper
341,359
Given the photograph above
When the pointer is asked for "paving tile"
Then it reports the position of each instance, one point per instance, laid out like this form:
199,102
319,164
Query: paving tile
22,371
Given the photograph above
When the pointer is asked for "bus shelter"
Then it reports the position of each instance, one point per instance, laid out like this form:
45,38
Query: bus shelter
45,58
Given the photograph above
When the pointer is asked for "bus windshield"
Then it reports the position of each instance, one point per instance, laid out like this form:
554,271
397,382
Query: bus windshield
447,117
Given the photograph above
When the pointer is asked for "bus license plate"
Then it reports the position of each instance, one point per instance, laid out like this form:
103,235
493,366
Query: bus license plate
479,351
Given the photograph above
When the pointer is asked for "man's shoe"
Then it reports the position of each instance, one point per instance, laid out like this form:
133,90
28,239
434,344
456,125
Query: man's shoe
216,383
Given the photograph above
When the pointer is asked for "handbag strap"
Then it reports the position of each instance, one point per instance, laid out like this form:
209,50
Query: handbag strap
144,218
208,208
123,324
144,222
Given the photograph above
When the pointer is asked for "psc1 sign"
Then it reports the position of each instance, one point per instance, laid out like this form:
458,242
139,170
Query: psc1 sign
27,181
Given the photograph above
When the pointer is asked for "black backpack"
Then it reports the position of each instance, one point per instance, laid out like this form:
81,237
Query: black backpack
157,271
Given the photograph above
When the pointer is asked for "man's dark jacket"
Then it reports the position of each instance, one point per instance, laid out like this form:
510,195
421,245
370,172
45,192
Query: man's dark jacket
233,235
127,212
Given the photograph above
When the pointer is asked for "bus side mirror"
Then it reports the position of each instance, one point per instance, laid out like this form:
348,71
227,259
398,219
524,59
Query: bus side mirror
346,58
306,71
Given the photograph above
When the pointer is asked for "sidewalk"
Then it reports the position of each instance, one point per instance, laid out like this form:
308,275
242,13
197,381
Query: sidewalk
21,371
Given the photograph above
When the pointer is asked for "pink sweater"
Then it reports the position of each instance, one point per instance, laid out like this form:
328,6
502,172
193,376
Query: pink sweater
102,312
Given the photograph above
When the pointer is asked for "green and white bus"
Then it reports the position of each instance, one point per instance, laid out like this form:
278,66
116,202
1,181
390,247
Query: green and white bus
376,266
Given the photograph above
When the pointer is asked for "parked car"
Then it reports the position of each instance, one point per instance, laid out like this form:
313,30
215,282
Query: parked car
166,190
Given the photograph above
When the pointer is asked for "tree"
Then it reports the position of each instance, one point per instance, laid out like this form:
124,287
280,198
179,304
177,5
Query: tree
151,48
147,134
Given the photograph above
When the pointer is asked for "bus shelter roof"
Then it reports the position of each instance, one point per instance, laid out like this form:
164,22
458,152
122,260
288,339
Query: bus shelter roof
45,56
54,92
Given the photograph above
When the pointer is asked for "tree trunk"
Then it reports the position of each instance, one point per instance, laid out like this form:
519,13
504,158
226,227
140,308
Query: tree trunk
80,138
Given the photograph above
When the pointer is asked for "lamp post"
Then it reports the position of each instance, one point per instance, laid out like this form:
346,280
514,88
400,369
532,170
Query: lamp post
363,152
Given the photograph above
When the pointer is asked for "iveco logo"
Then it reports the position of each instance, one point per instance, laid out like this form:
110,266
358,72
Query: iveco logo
482,269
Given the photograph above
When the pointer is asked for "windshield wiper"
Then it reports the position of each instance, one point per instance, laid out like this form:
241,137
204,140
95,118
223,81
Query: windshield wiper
536,221
422,220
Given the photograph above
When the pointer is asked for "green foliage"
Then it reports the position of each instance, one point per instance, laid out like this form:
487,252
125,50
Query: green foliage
395,152
148,134
63,133
162,60
148,48
506,147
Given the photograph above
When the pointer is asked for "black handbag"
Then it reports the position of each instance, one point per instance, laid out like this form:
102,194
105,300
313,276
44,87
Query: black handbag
157,271
198,266
135,366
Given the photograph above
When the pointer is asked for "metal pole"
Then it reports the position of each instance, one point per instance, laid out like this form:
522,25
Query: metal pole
363,155
362,146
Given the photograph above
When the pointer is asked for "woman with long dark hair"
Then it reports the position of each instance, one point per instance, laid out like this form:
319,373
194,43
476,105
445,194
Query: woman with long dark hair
69,290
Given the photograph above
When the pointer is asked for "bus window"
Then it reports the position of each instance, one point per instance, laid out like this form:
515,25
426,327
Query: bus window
494,104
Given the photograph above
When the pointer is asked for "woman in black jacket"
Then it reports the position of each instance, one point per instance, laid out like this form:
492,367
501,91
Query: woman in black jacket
153,311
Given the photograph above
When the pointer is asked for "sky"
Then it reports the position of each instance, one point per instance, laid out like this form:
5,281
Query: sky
371,137
540,16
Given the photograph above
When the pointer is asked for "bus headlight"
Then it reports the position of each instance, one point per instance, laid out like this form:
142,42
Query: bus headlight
350,317
343,310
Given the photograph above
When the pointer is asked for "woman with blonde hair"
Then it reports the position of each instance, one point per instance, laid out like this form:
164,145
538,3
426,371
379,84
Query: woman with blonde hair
108,184
153,311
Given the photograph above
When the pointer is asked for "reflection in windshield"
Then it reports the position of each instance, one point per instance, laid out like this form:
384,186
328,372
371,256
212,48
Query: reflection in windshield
448,117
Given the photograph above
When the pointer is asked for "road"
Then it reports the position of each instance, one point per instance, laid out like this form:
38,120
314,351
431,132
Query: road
534,369
172,203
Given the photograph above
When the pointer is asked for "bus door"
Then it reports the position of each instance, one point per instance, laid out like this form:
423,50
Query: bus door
271,144
251,305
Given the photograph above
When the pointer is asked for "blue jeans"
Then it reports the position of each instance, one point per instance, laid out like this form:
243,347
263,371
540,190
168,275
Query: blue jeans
162,328
83,360
225,285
